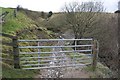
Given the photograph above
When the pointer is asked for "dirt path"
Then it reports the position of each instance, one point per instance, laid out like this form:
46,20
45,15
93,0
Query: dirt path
70,72
75,73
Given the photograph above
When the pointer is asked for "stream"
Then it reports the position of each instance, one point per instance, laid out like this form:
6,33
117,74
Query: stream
66,72
56,72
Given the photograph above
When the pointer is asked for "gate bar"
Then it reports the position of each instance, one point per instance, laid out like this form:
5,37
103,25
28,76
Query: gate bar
55,60
48,64
54,40
58,66
49,57
54,46
56,52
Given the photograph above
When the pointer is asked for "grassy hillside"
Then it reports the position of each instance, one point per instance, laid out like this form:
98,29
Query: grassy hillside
12,24
23,27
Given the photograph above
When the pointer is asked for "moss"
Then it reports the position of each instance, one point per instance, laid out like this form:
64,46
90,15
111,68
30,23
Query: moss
100,72
18,73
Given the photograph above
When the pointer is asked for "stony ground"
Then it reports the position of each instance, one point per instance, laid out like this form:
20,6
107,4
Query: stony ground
70,72
75,73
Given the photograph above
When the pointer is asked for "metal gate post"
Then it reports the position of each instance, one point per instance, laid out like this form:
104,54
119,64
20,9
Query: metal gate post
16,53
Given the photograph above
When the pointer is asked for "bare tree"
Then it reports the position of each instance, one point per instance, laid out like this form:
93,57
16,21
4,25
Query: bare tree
81,17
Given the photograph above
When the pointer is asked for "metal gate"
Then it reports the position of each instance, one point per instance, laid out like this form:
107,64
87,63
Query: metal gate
56,53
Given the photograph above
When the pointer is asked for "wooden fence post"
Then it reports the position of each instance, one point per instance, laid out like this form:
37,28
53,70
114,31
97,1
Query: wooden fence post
16,53
95,53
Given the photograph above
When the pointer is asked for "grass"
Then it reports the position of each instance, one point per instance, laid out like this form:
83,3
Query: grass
34,55
11,26
18,73
100,72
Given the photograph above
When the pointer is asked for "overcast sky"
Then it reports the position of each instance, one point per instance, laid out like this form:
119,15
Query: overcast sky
52,5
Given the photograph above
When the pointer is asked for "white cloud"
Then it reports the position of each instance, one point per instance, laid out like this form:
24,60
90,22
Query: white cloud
51,5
